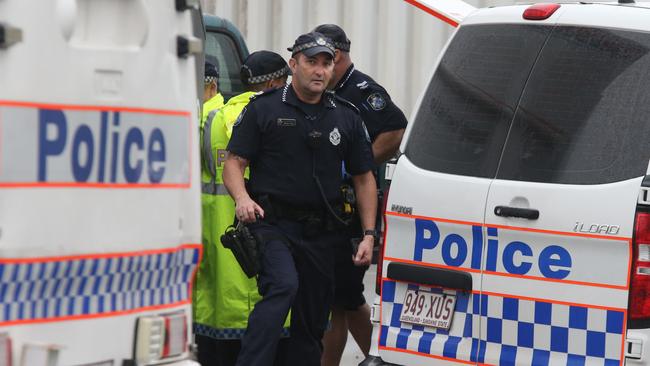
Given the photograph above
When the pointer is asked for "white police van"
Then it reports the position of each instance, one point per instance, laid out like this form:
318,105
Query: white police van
99,185
518,218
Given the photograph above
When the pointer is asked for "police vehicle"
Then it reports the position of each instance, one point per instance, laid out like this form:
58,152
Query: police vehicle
517,228
99,181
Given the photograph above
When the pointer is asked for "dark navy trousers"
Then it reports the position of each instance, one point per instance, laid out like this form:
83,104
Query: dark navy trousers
299,277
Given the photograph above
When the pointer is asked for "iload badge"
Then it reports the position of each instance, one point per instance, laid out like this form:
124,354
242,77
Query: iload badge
335,136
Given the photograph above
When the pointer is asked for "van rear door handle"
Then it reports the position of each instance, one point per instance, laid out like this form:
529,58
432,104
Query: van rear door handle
524,213
424,275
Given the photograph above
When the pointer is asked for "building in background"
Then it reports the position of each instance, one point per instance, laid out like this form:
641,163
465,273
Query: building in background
392,41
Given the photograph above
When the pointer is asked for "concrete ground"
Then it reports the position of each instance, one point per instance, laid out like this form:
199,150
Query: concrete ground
352,355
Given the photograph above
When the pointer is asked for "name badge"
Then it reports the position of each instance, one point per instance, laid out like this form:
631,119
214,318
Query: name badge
286,122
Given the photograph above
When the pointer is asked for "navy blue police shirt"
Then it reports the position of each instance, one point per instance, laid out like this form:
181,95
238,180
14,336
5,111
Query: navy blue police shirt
377,110
272,132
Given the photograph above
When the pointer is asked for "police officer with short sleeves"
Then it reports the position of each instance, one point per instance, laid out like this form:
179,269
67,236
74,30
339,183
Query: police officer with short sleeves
386,124
295,140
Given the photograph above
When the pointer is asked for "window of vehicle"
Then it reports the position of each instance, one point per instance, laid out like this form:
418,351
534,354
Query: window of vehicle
583,118
465,114
220,49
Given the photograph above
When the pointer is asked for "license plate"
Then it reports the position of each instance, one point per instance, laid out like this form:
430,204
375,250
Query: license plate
426,308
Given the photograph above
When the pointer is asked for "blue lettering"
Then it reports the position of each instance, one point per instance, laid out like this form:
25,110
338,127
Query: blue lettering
477,246
555,256
47,147
156,153
114,150
509,254
492,248
83,135
421,240
131,173
102,146
461,254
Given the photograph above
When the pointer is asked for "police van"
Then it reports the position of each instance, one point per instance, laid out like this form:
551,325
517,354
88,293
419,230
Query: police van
517,227
99,181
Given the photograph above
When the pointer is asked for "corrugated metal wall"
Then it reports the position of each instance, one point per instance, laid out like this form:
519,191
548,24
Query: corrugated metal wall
392,41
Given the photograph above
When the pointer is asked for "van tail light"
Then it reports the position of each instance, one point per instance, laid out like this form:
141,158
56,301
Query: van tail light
639,298
175,335
382,244
540,11
161,336
5,349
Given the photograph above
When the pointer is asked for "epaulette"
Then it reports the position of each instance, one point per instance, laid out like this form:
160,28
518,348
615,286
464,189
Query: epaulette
263,93
345,102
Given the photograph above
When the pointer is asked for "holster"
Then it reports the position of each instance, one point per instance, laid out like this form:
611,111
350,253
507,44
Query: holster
244,247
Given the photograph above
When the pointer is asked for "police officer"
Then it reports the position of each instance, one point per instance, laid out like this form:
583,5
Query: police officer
386,124
295,140
223,295
212,99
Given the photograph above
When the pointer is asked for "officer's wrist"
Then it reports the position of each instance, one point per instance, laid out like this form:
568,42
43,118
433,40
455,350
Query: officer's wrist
370,232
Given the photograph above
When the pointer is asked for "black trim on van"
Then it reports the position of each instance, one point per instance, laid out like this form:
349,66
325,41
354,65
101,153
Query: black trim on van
447,278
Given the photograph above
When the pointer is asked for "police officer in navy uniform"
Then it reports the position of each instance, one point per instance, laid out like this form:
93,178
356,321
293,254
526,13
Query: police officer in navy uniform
295,141
386,124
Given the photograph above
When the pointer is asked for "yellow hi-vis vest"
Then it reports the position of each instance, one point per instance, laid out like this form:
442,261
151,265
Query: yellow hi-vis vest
223,295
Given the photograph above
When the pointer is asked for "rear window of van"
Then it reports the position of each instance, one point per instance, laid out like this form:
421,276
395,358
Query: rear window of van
574,113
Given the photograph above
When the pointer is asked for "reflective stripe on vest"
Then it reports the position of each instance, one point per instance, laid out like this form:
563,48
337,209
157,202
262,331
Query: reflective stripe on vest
214,189
207,144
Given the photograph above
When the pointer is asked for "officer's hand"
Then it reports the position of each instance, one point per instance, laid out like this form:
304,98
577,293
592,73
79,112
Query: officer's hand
246,208
364,253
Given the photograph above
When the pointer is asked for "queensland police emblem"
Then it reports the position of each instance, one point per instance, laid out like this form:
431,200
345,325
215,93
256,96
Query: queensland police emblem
335,136
321,42
376,101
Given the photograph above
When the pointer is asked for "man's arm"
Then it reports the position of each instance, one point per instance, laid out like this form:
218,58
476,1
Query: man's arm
386,145
366,192
233,179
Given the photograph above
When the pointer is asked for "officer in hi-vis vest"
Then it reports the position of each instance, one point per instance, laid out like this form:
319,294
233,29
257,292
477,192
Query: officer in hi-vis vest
224,296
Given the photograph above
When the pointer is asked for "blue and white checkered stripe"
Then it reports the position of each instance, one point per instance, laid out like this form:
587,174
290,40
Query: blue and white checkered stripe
513,331
92,286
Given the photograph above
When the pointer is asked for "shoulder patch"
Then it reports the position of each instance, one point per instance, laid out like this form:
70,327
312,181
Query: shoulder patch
376,101
347,103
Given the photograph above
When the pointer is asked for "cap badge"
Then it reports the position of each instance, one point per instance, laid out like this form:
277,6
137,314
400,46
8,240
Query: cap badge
335,136
321,42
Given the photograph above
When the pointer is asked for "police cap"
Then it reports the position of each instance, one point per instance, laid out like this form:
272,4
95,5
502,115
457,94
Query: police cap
262,66
336,34
211,72
311,44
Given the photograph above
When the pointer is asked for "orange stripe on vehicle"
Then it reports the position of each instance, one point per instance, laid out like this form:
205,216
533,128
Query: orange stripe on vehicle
426,355
13,103
199,247
95,316
445,19
437,219
92,185
527,277
551,301
516,228
621,356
